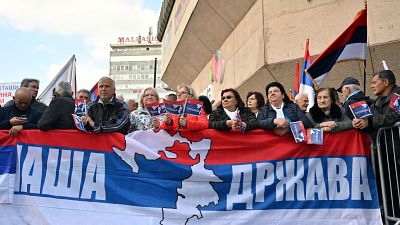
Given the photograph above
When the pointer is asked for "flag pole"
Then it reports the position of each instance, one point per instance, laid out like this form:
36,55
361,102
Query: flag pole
365,74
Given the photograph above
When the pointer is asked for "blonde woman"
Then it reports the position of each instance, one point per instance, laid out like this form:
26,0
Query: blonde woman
141,118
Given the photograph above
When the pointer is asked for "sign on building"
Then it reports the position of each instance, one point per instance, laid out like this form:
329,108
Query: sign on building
7,91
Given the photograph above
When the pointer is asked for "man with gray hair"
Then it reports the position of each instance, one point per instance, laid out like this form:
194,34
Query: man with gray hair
59,113
107,113
33,86
384,87
351,92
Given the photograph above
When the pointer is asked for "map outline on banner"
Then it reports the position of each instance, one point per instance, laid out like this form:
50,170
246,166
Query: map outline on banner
174,147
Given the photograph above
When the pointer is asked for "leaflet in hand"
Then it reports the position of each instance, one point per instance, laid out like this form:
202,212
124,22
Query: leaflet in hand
298,131
80,106
156,109
360,109
79,123
395,102
242,125
315,136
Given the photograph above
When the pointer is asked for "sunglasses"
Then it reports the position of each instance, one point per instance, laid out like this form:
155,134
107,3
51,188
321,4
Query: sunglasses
226,97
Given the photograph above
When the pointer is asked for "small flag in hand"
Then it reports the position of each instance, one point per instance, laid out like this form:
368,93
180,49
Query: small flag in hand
242,125
395,102
360,109
156,109
298,131
315,136
79,123
174,107
80,106
193,107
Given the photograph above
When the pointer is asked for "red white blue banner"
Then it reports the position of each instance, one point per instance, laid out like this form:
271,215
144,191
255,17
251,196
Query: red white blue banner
207,177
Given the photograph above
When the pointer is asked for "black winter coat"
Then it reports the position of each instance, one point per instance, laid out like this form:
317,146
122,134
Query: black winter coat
59,114
218,119
267,114
110,117
7,112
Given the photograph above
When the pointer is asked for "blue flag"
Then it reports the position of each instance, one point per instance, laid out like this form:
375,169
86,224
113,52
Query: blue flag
174,107
193,107
156,109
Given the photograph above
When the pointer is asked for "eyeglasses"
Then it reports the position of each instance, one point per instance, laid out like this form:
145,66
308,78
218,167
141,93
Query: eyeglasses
182,92
226,97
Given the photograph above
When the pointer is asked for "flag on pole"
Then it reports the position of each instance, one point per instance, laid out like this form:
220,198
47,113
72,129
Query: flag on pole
297,80
94,92
351,44
67,73
306,82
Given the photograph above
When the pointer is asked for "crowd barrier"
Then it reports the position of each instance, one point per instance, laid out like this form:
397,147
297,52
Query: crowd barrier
182,177
388,149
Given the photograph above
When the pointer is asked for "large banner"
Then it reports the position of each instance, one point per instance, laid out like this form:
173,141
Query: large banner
207,177
7,91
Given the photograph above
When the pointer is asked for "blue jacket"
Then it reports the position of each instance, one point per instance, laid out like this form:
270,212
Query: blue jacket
292,113
10,111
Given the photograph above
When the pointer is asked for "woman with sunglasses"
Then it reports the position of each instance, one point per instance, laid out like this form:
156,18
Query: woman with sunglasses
232,114
141,118
279,111
189,122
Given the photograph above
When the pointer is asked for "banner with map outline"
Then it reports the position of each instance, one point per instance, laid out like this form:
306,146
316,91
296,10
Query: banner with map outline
206,177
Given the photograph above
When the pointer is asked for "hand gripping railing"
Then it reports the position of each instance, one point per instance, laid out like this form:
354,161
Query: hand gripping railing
388,149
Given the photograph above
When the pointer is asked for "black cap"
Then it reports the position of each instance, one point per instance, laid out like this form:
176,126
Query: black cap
347,81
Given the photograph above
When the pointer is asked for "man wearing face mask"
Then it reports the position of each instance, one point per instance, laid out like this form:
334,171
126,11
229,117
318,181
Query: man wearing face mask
20,115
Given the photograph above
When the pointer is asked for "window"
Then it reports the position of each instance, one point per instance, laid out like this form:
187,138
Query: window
151,67
142,67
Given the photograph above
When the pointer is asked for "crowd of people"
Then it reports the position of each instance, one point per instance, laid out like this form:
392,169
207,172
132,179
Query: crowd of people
109,113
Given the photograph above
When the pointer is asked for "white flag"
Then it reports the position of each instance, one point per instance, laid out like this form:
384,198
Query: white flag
67,73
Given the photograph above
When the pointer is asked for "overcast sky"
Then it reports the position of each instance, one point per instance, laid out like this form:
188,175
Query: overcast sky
37,37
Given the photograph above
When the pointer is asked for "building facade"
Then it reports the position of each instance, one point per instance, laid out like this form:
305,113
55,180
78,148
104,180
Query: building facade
132,64
256,42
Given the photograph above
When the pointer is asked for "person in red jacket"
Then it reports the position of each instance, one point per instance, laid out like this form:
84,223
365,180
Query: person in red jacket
189,122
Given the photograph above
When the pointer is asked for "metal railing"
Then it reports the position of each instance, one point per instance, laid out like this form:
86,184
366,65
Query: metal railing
388,150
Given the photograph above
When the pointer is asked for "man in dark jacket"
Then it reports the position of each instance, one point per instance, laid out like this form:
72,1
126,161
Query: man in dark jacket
383,86
20,115
59,113
107,114
351,92
33,86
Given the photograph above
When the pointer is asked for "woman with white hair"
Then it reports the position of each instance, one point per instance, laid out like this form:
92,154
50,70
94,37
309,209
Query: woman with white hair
189,122
141,118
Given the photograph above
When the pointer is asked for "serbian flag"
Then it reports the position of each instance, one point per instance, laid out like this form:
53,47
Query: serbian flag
296,81
94,92
351,44
306,82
